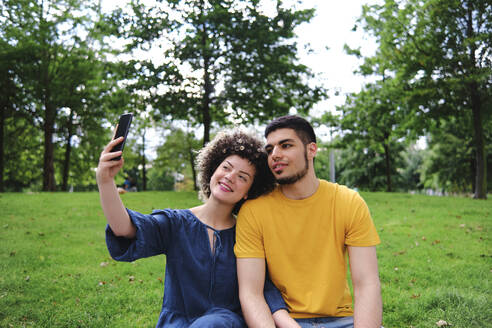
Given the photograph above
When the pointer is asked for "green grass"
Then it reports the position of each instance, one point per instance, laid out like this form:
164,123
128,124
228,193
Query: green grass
51,250
435,261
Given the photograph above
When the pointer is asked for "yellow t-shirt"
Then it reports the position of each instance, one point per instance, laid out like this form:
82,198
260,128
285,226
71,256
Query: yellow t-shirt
304,244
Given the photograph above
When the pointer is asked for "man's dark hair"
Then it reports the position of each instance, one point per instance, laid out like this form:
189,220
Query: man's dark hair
303,128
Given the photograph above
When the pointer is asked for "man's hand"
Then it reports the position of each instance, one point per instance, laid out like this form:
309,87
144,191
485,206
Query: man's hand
368,306
251,278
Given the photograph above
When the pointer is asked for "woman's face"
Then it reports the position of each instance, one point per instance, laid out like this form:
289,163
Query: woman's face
232,179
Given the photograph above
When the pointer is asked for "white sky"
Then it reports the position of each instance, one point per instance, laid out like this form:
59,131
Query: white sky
332,28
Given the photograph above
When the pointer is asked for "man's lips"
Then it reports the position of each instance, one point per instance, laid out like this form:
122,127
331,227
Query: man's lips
278,167
224,187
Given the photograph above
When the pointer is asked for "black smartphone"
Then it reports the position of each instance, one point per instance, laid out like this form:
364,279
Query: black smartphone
122,131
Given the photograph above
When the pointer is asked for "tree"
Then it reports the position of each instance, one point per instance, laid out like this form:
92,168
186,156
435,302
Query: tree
373,120
450,164
89,140
363,167
53,39
16,122
324,161
9,99
177,154
440,51
410,171
222,59
82,109
140,125
23,154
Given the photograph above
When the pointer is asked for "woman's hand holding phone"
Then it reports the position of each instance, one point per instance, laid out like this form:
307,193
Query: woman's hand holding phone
110,161
108,167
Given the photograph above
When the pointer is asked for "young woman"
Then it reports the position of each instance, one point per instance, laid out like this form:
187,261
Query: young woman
201,287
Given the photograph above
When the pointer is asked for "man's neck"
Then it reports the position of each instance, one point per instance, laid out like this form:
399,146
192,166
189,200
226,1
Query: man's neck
301,189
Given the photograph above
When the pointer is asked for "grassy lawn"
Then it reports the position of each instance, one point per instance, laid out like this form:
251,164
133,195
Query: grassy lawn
435,261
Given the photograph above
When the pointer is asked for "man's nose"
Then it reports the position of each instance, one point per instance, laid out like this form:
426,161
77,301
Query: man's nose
275,153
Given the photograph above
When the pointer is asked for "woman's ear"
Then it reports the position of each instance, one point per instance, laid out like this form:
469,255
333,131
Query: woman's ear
245,197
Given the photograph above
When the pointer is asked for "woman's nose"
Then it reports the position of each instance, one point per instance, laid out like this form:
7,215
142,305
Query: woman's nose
230,176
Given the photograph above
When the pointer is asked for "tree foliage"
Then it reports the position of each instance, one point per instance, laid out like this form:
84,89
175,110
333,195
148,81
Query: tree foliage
439,52
222,61
450,160
372,121
365,168
177,154
52,52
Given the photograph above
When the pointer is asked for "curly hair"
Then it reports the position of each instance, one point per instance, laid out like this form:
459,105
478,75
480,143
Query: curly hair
243,144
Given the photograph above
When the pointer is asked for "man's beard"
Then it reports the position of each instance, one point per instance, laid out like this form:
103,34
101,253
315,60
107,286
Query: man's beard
297,176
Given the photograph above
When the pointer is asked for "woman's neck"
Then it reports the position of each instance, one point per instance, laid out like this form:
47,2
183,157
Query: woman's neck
216,215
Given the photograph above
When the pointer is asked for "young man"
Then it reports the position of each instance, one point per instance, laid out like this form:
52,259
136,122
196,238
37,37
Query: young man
301,233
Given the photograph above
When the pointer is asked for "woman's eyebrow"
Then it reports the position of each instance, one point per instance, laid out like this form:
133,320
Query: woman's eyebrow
249,175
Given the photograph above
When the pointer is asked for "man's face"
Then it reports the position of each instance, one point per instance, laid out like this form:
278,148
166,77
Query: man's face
287,156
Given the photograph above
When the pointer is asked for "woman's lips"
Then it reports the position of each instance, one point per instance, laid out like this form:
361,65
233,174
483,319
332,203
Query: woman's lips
225,187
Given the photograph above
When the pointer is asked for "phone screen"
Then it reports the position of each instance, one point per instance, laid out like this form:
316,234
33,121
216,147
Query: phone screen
122,131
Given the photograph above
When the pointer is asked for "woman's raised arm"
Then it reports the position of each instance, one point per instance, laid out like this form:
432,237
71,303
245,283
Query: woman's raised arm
113,208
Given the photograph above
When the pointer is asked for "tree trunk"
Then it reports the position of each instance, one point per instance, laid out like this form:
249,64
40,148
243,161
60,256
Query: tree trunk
480,162
2,158
207,87
206,110
388,167
192,164
144,169
48,165
68,151
191,157
473,170
476,104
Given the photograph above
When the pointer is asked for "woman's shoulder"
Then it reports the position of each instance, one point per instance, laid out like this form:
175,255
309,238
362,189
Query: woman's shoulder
173,214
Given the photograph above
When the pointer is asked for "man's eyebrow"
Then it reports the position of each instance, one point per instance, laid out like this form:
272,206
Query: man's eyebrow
280,142
285,140
249,175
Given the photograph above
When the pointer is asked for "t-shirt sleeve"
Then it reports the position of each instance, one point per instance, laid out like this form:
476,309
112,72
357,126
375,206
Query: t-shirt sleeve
360,229
249,238
153,236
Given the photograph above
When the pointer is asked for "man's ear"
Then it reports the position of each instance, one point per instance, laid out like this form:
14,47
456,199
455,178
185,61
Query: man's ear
312,150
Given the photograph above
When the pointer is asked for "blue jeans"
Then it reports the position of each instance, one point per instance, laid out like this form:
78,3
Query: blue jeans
219,318
327,322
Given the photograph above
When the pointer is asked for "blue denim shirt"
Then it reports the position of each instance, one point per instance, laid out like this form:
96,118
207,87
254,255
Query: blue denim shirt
196,279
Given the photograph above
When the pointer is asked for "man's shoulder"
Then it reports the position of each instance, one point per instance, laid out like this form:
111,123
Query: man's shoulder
338,189
263,200
340,194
